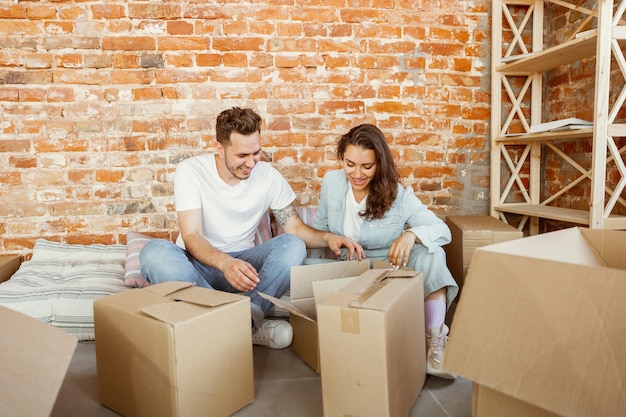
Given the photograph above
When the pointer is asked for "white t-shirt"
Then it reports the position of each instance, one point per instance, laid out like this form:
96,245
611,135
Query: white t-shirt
352,221
230,214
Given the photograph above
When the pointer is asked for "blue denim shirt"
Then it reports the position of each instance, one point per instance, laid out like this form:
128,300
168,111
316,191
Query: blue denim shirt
406,213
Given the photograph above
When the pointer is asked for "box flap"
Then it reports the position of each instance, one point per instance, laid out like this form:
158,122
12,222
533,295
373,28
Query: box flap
567,245
373,277
302,276
204,296
286,306
609,244
322,289
166,288
374,289
172,312
543,322
35,358
188,301
382,295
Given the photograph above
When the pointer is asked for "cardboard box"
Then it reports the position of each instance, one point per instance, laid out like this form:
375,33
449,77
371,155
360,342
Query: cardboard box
35,358
541,322
8,265
468,234
174,349
372,345
301,308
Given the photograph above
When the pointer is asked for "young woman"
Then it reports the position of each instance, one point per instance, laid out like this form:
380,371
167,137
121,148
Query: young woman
366,202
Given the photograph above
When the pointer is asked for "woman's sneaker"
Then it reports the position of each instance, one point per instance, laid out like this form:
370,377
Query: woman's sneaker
436,340
275,334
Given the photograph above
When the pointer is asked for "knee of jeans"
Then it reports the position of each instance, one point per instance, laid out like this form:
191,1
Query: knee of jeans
294,246
152,251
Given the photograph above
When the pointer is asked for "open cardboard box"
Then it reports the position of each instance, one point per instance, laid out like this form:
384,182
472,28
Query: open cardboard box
302,305
34,360
541,326
372,348
174,349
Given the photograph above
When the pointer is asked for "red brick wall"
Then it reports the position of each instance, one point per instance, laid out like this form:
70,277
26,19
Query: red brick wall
99,100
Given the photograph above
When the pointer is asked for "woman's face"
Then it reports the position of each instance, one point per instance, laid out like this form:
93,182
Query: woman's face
359,165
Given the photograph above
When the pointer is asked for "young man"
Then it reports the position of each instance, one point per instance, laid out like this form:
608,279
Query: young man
220,199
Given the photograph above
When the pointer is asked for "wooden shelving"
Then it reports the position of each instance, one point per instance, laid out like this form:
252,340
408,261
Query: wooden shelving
516,159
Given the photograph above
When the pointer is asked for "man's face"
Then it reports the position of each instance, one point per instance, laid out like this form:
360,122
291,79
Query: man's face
240,156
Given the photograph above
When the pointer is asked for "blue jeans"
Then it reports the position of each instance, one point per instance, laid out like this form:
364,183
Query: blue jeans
161,261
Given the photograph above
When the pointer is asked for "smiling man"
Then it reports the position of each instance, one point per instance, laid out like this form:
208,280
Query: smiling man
220,199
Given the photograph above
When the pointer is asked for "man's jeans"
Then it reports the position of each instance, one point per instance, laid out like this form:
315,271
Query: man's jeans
162,260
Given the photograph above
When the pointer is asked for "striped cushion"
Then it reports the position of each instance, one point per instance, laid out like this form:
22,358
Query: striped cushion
60,282
132,270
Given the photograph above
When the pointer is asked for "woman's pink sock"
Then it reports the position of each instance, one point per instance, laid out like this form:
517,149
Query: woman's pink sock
434,314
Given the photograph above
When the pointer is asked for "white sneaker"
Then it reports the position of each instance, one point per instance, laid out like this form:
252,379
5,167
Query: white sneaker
275,334
436,341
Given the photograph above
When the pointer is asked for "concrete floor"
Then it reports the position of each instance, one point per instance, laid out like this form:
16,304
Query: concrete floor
284,386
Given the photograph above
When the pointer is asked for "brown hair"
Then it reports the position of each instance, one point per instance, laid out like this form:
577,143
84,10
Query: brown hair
384,186
242,121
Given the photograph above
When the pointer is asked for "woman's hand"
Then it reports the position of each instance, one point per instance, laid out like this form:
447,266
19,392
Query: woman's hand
400,248
335,243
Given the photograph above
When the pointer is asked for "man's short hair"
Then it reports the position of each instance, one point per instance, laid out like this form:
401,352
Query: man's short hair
242,121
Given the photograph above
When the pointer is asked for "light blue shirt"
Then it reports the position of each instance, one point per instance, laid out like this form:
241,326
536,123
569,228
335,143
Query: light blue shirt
406,213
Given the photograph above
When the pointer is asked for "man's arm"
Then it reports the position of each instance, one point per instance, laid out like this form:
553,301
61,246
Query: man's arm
240,274
289,220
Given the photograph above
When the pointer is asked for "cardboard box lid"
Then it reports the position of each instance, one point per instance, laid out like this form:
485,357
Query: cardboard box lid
35,357
541,319
194,299
375,289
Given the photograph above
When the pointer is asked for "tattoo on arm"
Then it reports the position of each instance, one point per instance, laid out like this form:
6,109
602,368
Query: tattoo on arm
283,215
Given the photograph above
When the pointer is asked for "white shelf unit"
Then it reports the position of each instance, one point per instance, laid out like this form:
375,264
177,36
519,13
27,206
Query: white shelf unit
516,159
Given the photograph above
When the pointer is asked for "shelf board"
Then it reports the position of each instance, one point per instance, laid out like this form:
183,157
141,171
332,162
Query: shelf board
547,212
565,53
614,222
547,136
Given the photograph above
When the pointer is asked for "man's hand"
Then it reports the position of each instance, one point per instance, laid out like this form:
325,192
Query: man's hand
400,248
335,243
241,275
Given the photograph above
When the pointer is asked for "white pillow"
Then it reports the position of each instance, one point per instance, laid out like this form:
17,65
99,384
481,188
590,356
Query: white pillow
60,282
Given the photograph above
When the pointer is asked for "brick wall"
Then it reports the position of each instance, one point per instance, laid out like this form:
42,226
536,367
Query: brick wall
99,100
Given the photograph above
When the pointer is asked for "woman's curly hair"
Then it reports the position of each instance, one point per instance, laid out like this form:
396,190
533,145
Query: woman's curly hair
384,186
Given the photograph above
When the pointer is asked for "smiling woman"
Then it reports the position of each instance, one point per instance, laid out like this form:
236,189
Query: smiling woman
366,202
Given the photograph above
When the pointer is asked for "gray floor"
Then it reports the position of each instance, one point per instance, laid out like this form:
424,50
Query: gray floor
284,386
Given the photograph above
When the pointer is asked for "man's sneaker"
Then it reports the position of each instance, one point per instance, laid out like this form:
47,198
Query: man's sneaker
436,340
275,334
